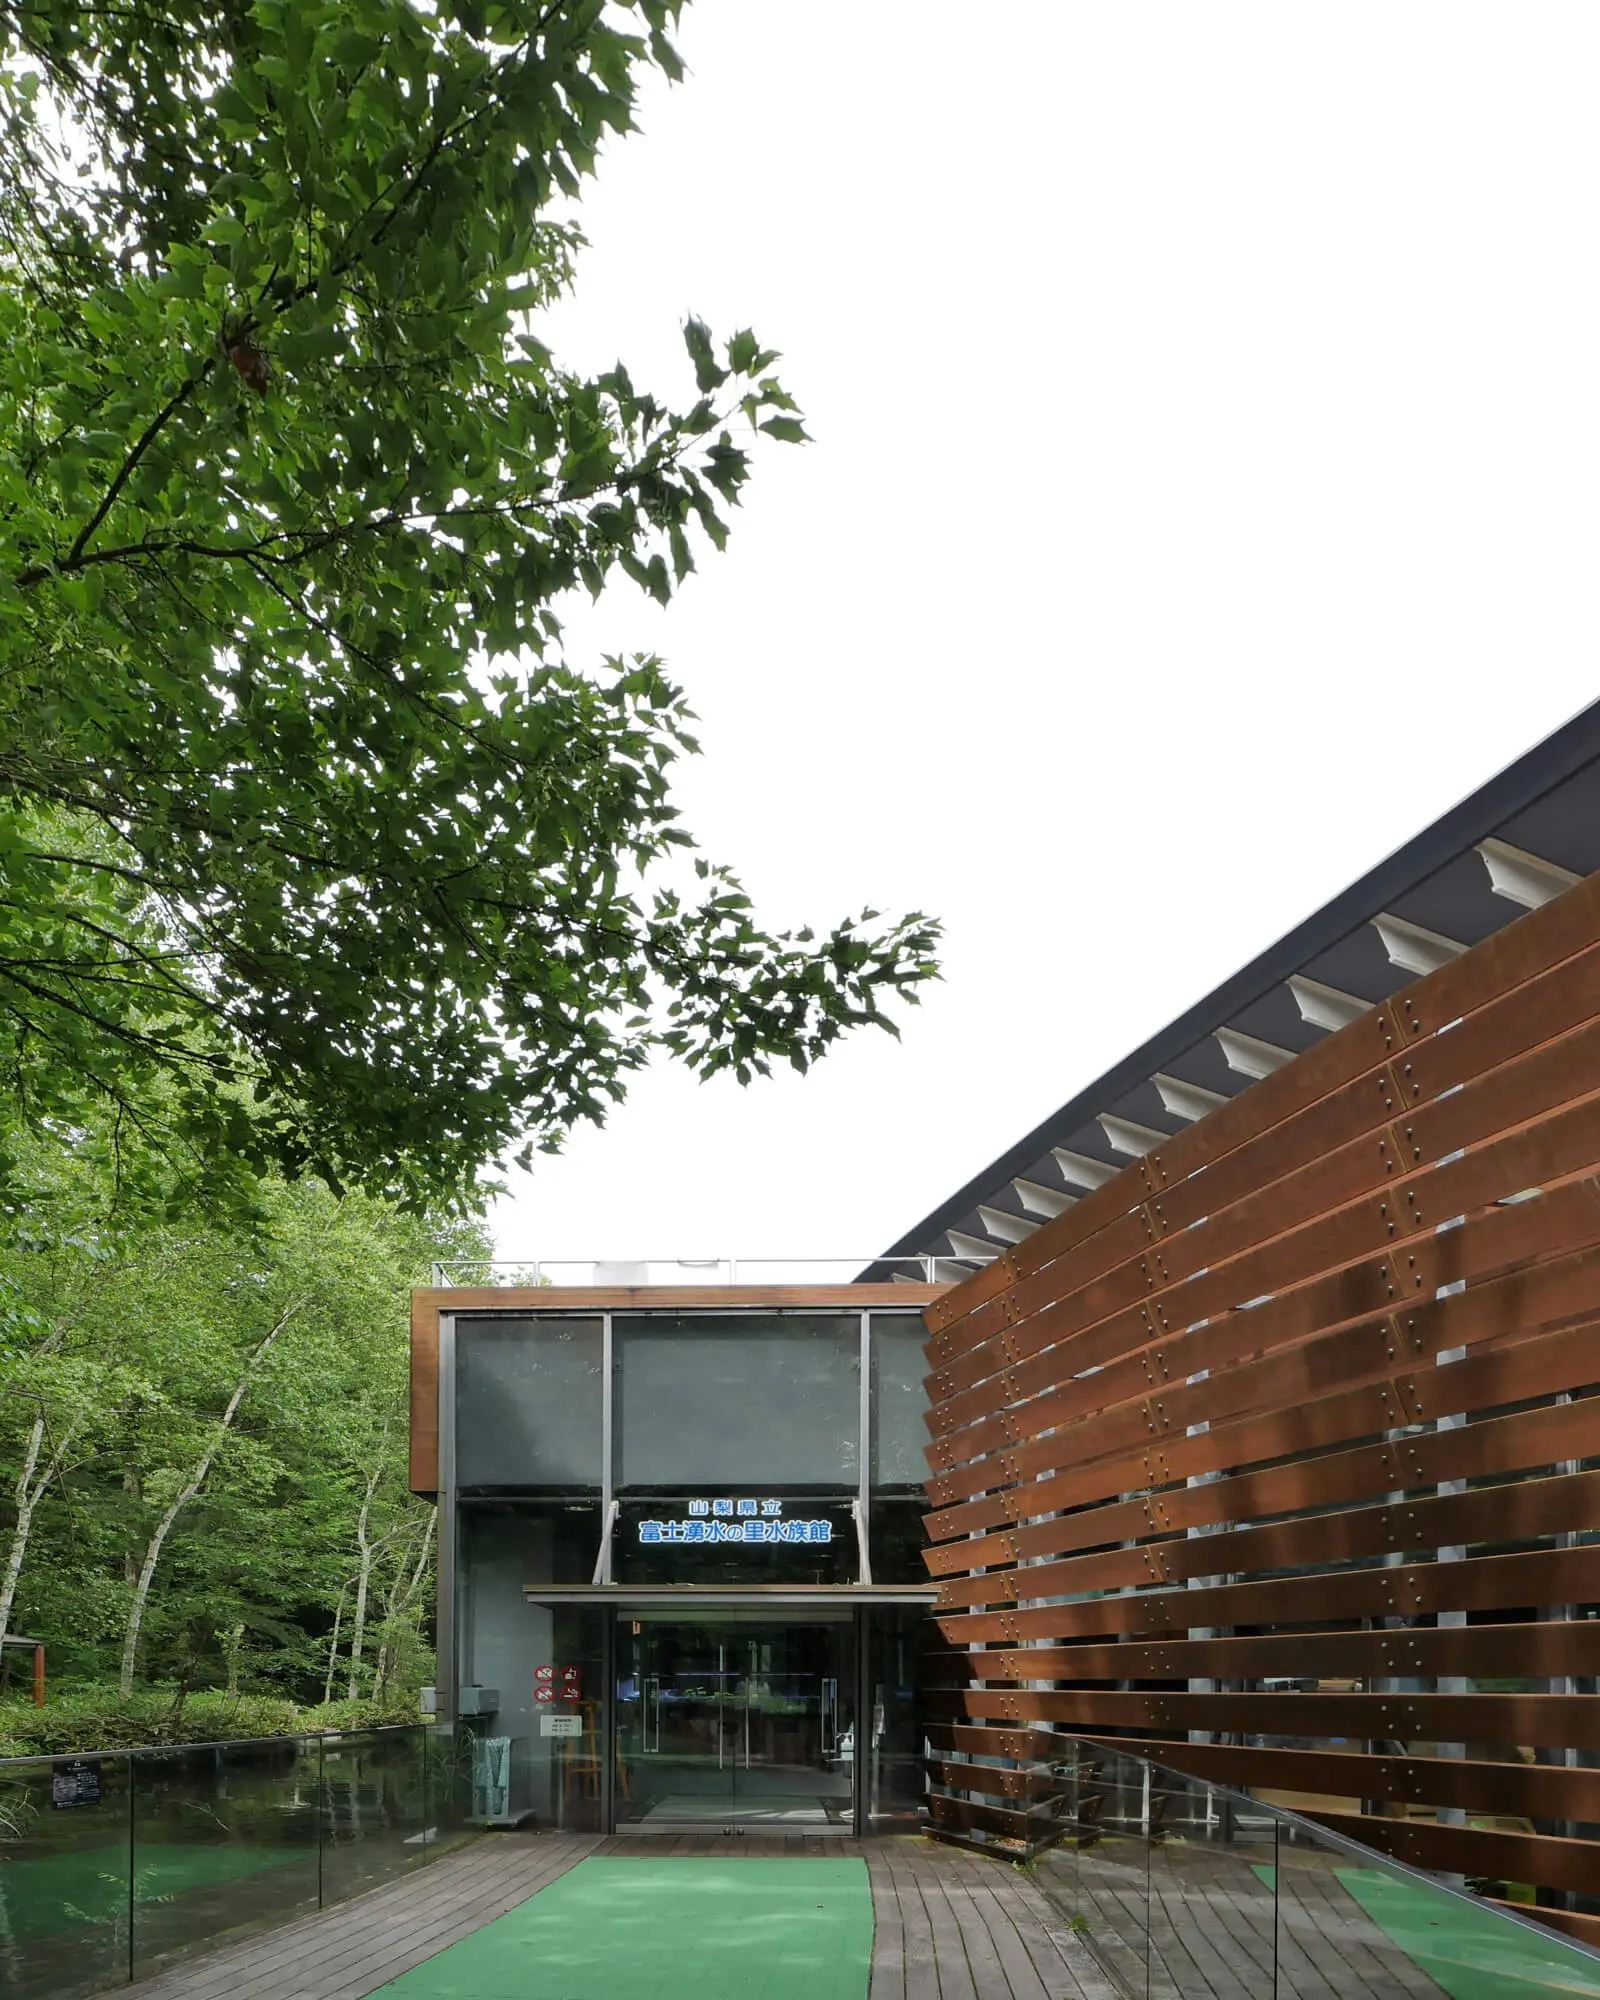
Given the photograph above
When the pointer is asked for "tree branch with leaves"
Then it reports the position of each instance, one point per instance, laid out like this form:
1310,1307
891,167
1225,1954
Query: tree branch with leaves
318,851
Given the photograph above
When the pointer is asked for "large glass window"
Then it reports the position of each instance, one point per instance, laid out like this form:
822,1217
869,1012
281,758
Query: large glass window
529,1404
715,1404
898,1400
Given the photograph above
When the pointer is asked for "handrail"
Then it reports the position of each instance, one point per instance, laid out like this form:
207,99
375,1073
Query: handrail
1064,1857
226,1742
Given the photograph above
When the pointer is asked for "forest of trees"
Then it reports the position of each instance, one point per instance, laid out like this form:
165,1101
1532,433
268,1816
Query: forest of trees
203,1427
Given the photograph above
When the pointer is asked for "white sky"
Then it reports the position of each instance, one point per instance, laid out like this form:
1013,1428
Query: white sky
1204,498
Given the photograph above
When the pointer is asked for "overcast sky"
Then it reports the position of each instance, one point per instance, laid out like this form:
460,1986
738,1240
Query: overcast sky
1204,497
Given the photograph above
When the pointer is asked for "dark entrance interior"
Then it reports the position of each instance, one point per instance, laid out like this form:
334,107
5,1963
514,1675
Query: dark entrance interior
735,1722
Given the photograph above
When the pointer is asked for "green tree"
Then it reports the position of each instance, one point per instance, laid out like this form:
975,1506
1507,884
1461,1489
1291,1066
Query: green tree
204,1424
316,851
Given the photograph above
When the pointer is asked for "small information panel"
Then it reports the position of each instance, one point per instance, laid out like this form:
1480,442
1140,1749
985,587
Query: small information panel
560,1725
75,1782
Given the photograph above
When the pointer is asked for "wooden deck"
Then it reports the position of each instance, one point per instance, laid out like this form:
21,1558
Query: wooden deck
949,1925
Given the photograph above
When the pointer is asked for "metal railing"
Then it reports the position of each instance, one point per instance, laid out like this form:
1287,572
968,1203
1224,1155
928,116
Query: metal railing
664,1271
1185,1890
116,1864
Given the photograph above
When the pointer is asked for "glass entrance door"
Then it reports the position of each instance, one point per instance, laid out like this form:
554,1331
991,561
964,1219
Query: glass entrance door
734,1724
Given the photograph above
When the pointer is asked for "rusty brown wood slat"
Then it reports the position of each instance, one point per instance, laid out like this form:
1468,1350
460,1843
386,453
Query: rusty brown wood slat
1242,1352
1529,1509
1175,1286
1487,1379
1359,1229
1557,1646
1548,1791
1527,1439
1563,1219
1570,1720
1472,1850
424,1395
1493,970
1411,1590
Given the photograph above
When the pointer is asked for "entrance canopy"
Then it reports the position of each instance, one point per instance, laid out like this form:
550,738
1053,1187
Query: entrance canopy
686,1600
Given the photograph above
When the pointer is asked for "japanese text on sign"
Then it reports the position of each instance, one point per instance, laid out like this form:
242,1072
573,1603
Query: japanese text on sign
735,1521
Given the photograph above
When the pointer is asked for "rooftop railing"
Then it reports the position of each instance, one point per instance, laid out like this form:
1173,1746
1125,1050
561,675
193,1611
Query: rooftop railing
1184,1890
685,1271
117,1864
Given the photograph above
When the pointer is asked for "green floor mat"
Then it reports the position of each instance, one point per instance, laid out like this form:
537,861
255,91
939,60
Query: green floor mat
1472,1953
681,1928
89,1885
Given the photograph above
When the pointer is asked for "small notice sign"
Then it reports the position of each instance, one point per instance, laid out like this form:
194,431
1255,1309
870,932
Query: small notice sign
75,1782
560,1725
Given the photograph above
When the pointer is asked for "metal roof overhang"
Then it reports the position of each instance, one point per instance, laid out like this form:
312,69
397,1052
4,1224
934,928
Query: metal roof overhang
694,1597
1515,843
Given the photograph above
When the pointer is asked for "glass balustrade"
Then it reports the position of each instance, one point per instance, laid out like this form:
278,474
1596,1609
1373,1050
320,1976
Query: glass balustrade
114,1866
1183,1890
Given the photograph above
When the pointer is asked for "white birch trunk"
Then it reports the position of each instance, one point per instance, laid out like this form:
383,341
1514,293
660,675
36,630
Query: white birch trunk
402,1596
180,1500
358,1620
32,1486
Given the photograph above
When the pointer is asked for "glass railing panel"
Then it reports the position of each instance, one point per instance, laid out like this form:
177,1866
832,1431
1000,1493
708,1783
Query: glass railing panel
1098,1873
1211,1859
1179,1888
224,1841
377,1804
1405,1934
63,1876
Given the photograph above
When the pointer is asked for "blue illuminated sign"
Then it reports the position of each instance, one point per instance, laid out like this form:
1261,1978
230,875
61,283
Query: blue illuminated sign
735,1521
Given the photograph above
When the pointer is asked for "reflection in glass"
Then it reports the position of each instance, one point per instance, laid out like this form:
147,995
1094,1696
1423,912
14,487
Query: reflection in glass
734,1722
898,1538
898,1400
379,1809
1409,1934
1211,1859
1182,1888
529,1402
896,1636
225,1836
718,1404
63,1876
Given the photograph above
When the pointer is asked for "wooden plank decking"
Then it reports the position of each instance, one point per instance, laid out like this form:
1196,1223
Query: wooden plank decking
949,1926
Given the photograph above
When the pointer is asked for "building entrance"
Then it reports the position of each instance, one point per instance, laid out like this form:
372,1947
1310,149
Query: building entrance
735,1722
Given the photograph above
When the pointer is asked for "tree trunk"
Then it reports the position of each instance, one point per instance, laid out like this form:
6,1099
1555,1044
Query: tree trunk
180,1500
32,1485
401,1597
358,1621
333,1643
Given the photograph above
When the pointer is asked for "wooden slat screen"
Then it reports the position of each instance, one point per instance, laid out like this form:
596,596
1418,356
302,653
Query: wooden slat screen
1277,1453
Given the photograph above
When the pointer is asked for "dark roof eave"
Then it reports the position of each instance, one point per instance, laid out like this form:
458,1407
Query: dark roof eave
1548,764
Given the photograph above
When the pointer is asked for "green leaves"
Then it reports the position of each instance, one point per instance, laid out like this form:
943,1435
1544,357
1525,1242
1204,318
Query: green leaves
320,853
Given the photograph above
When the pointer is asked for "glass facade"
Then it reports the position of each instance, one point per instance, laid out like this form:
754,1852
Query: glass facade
596,1454
720,1402
529,1404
